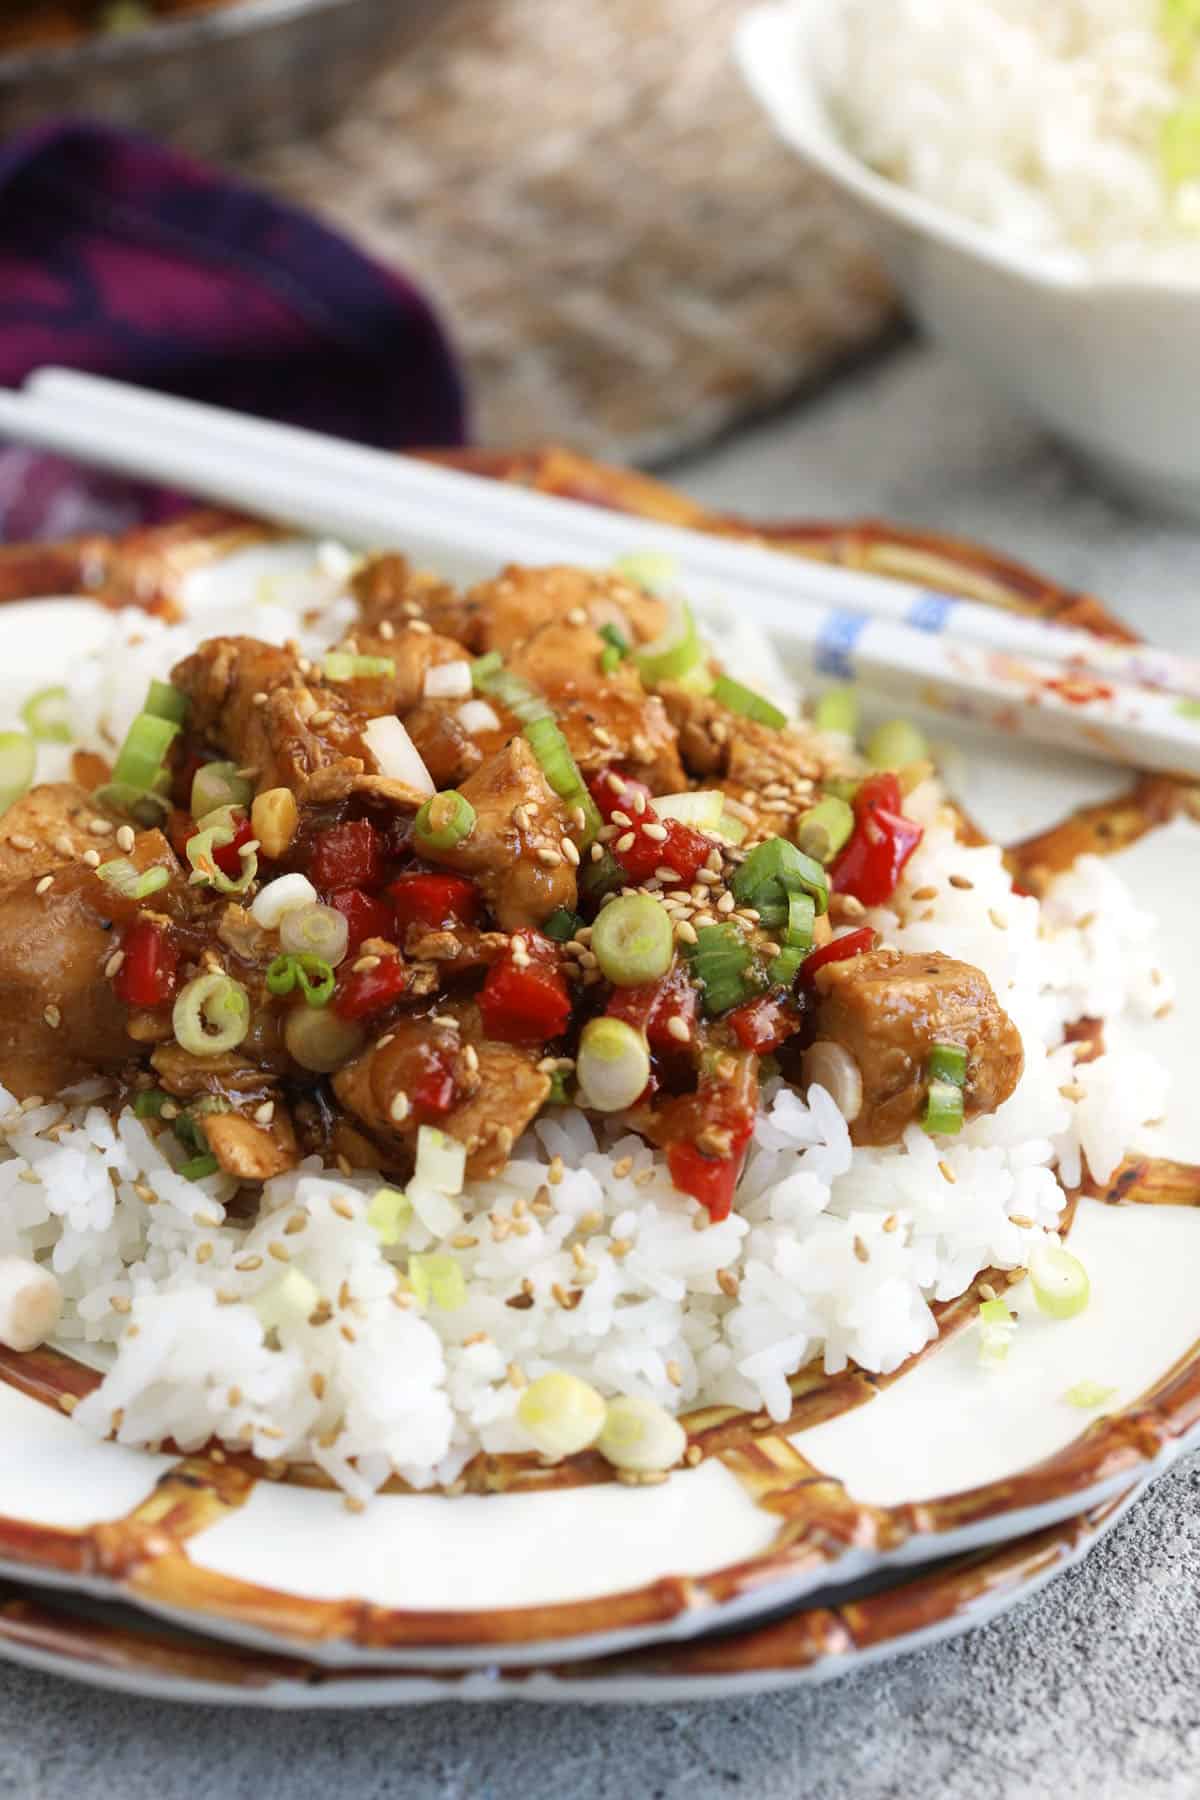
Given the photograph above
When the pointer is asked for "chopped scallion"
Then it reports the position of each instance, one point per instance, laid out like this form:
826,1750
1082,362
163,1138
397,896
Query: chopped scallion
198,1167
18,759
610,659
560,1089
389,1215
747,703
837,710
211,1015
216,831
131,882
140,757
651,570
444,821
633,940
218,784
675,654
824,828
943,1108
164,701
996,1328
561,1414
1088,1395
1060,1281
338,666
557,764
311,974
45,717
613,1064
721,960
437,1278
615,641
948,1062
773,871
800,921
148,1104
561,925
895,745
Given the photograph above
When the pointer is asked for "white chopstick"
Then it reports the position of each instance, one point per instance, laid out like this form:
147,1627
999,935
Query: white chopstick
934,612
369,498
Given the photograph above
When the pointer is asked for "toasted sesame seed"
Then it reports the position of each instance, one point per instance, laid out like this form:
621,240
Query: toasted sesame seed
622,1168
962,883
125,838
322,716
726,903
52,1016
279,1251
19,841
1072,1090
120,1303
685,933
625,842
1021,1221
91,858
728,1283
998,919
549,859
666,874
364,963
861,1251
947,1173
570,851
891,1222
656,833
169,1111
674,1373
577,616
100,827
248,1264
556,1171
421,627
516,1375
925,893
46,882
679,1029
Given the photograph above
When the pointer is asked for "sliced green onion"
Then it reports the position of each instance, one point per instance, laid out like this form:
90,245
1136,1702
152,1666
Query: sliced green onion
337,666
489,676
721,961
188,1132
641,1435
943,1108
562,773
613,1065
389,1215
784,969
145,806
166,702
825,827
483,668
774,870
733,829
45,718
602,876
948,1062
561,1414
438,1279
837,710
1088,1395
996,1328
801,919
615,641
441,1161
560,1089
651,570
314,977
149,1103
318,1039
633,940
561,925
895,745
444,821
198,1167
315,931
18,759
131,882
675,654
610,659
216,785
1060,1281
216,830
747,703
841,787
701,808
211,1015
141,756
291,1300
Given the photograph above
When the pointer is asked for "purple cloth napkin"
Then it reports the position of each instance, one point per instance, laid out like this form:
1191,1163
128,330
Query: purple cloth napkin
125,258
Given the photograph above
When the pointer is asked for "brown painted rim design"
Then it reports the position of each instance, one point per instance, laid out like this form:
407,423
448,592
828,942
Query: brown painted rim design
143,1557
810,1643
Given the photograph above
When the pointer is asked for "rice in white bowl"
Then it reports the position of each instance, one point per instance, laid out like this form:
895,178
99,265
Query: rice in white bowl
286,1332
1055,122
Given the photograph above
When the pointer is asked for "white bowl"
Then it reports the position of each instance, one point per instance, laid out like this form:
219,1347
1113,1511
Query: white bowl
1110,365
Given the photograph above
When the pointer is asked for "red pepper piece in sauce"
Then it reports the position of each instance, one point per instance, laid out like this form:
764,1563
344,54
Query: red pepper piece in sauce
147,977
182,829
711,1180
352,854
362,992
435,901
882,842
432,1094
763,1024
614,792
851,943
651,1006
365,916
682,849
525,1002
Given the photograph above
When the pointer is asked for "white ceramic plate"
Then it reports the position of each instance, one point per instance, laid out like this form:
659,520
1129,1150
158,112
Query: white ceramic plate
934,1464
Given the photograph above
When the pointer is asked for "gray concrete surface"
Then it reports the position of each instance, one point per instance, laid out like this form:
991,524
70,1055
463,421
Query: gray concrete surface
1091,1688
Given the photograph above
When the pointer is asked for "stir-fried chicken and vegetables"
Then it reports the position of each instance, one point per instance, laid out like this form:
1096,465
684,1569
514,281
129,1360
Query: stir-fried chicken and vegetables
496,851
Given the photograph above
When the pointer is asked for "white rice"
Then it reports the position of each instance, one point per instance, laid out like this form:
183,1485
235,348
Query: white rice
837,1252
1040,119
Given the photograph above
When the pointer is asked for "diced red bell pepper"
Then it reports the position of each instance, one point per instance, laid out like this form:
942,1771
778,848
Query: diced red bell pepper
851,943
614,792
651,1006
352,854
435,901
147,977
683,849
365,916
763,1024
882,842
182,829
432,1094
709,1179
524,1003
363,992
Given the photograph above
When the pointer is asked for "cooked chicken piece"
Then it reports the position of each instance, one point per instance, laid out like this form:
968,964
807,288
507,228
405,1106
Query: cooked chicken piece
501,613
48,828
253,700
889,1009
389,590
496,1094
715,741
605,718
59,1018
413,653
248,1150
448,752
186,1077
518,863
